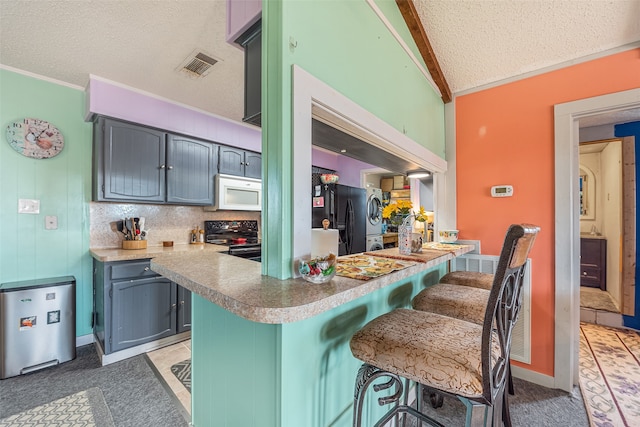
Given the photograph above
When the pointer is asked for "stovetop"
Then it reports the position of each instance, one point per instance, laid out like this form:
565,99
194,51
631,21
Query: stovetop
227,232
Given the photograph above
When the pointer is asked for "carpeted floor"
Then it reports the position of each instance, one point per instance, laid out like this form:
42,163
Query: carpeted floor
134,395
610,375
532,406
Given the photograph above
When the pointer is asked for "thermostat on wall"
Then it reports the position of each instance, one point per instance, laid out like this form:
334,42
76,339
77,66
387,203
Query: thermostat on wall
502,191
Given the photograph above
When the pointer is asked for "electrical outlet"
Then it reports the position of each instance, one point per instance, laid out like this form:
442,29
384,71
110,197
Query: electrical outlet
28,206
51,222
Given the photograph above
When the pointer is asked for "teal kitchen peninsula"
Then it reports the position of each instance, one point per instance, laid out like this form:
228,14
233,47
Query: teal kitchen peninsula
269,352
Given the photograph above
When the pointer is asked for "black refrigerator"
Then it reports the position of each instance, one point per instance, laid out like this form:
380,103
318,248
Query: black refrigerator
346,209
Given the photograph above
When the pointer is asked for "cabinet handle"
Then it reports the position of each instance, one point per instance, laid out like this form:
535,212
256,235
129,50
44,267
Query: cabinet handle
170,167
162,166
246,164
242,163
173,306
181,302
146,269
584,273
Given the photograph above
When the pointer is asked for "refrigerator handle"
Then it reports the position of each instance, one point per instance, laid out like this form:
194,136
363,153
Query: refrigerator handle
332,210
349,226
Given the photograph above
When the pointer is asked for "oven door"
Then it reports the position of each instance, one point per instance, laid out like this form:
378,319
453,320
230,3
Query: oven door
250,251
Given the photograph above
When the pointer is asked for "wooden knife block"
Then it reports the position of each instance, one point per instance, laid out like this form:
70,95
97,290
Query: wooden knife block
134,244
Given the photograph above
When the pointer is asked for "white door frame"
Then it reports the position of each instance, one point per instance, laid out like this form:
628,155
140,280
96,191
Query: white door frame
567,226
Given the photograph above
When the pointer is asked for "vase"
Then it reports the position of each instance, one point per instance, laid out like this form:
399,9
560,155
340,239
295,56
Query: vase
398,219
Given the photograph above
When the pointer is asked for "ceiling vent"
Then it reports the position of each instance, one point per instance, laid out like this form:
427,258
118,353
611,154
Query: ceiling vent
197,64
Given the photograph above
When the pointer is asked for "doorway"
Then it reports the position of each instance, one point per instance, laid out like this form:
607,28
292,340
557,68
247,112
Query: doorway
567,115
601,231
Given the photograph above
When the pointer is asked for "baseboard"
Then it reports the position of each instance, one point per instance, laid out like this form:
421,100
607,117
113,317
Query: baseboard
117,356
84,340
533,377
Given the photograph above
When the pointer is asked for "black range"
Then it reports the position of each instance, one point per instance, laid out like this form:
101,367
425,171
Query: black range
241,236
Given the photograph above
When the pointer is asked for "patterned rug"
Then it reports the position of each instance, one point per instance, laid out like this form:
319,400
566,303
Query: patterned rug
182,371
610,375
84,409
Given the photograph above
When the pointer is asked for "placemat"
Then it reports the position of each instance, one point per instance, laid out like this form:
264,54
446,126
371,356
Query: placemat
443,246
366,267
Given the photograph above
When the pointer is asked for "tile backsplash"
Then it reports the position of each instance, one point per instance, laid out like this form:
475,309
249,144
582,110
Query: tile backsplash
164,222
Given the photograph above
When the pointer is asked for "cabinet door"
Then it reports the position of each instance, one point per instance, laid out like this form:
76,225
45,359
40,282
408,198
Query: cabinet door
253,76
184,309
191,168
133,163
253,165
231,161
143,310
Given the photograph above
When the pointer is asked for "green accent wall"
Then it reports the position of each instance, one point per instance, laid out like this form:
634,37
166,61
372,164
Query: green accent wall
62,184
345,45
290,375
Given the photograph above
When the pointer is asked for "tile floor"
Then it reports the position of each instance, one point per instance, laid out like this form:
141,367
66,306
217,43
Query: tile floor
163,359
597,307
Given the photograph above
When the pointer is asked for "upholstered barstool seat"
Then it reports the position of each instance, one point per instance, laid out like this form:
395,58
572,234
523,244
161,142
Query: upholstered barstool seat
428,348
453,353
472,279
457,301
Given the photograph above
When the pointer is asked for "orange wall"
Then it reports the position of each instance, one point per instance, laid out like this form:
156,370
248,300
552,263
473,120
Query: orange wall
505,135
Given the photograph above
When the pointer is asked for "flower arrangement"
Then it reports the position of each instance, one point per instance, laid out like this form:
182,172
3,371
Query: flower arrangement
398,211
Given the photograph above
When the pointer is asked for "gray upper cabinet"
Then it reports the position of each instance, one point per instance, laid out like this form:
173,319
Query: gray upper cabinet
191,168
136,163
234,161
131,158
251,41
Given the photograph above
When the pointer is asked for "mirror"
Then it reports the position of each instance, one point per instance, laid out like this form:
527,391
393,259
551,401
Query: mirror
587,194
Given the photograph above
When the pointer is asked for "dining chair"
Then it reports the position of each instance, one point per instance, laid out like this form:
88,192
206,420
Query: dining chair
444,354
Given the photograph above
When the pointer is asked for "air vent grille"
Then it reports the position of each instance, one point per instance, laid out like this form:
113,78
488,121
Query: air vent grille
197,64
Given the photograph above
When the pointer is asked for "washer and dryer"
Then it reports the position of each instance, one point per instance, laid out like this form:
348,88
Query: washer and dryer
375,243
374,219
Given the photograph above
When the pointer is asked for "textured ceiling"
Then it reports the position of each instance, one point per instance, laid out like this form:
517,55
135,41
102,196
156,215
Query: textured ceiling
137,43
141,43
479,42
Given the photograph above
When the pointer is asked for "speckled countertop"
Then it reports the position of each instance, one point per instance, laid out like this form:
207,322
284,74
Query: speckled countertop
237,285
118,254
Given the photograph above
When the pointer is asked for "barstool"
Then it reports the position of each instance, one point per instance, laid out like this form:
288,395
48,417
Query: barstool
448,355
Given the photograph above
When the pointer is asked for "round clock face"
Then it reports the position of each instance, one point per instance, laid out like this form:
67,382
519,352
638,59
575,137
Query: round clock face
35,138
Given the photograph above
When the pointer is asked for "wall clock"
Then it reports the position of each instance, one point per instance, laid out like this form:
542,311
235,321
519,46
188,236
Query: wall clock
35,138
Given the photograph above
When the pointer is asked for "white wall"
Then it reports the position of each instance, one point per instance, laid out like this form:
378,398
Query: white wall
611,172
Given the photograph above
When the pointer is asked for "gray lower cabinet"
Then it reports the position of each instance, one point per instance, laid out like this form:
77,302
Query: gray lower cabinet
184,309
238,162
134,163
134,305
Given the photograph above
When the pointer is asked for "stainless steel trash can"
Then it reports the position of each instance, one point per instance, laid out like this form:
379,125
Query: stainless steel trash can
37,324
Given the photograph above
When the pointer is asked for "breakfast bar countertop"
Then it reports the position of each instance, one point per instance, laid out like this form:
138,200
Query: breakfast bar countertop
237,284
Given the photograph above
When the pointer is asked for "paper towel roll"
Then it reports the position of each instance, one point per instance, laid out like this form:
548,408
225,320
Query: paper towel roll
324,242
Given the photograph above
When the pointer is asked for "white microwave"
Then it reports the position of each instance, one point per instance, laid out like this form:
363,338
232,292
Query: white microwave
237,193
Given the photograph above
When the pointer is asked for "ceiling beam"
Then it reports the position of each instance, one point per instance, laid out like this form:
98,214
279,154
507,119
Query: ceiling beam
410,15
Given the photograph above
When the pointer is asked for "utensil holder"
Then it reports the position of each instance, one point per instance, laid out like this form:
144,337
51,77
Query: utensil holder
134,244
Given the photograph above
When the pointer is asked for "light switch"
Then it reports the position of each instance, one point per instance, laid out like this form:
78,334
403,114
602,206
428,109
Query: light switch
51,222
28,206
